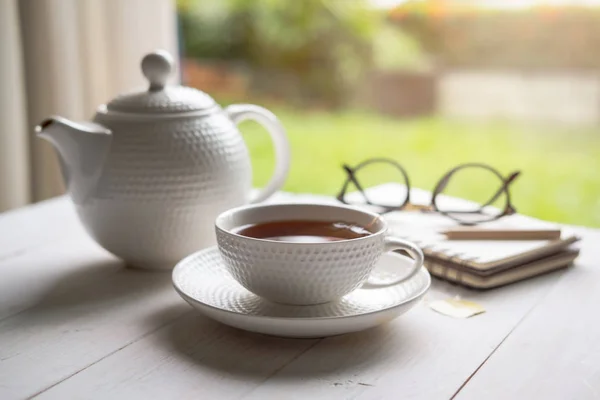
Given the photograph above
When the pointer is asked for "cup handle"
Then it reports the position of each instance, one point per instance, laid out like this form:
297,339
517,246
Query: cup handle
391,243
242,112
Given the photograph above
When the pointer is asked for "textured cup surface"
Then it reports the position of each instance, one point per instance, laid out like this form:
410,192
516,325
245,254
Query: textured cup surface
299,273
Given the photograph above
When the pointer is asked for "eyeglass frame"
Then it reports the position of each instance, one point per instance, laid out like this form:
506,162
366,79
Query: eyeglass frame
509,209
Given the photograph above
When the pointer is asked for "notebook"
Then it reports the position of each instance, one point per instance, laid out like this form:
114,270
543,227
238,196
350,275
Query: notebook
483,257
449,272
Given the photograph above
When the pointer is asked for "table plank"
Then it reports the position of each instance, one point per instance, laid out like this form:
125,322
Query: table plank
423,355
38,224
28,277
396,356
70,305
555,352
193,358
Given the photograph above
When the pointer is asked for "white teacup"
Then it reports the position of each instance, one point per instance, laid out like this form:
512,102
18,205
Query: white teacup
305,273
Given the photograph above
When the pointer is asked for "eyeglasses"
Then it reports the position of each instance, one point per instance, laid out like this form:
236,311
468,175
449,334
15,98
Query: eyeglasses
479,214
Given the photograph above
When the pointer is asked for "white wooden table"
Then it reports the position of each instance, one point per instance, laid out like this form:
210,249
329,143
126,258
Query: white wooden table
75,324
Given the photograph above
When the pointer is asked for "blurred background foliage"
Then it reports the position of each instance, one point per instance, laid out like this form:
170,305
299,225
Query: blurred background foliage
350,81
348,37
327,45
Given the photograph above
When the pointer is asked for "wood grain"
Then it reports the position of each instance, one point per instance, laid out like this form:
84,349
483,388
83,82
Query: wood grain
29,278
69,305
74,323
555,352
422,355
196,357
193,358
38,224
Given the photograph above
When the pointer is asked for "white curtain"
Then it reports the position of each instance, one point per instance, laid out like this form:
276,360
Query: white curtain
14,151
66,57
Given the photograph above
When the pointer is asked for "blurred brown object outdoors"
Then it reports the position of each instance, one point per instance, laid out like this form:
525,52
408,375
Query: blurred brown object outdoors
395,93
225,78
399,93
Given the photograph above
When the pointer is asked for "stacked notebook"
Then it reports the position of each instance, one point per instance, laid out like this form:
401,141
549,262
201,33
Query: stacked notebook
484,264
481,264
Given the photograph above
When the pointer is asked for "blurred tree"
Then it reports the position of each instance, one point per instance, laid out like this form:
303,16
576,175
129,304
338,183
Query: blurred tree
211,29
326,44
396,50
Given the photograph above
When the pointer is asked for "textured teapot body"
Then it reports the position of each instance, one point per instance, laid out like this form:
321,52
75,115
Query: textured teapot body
162,185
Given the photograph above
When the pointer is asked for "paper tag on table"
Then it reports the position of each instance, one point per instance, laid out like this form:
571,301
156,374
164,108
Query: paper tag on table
457,308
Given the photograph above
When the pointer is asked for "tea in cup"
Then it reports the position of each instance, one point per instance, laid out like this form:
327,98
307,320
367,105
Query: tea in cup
305,254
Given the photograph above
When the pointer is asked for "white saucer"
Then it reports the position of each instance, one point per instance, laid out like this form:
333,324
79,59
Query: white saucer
202,281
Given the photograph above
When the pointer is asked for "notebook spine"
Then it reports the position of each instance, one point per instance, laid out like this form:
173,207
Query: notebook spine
442,271
455,258
472,280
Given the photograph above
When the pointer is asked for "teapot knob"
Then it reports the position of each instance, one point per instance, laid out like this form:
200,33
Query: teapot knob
157,67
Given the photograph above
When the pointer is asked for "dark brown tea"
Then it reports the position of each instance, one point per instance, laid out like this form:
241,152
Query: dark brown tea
303,231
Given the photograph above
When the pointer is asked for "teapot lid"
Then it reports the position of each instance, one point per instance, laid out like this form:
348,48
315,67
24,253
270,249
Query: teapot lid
160,98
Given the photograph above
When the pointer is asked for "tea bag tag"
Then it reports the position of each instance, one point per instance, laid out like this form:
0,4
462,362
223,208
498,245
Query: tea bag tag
457,308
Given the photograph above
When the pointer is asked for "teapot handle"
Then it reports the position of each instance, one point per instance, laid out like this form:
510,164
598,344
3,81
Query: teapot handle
242,112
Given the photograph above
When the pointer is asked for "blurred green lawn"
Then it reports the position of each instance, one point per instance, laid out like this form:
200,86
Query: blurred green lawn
561,167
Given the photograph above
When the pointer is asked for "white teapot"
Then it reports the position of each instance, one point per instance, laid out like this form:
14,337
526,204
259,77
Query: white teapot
149,176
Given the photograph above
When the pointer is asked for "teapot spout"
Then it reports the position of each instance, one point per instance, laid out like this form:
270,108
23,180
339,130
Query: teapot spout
82,149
